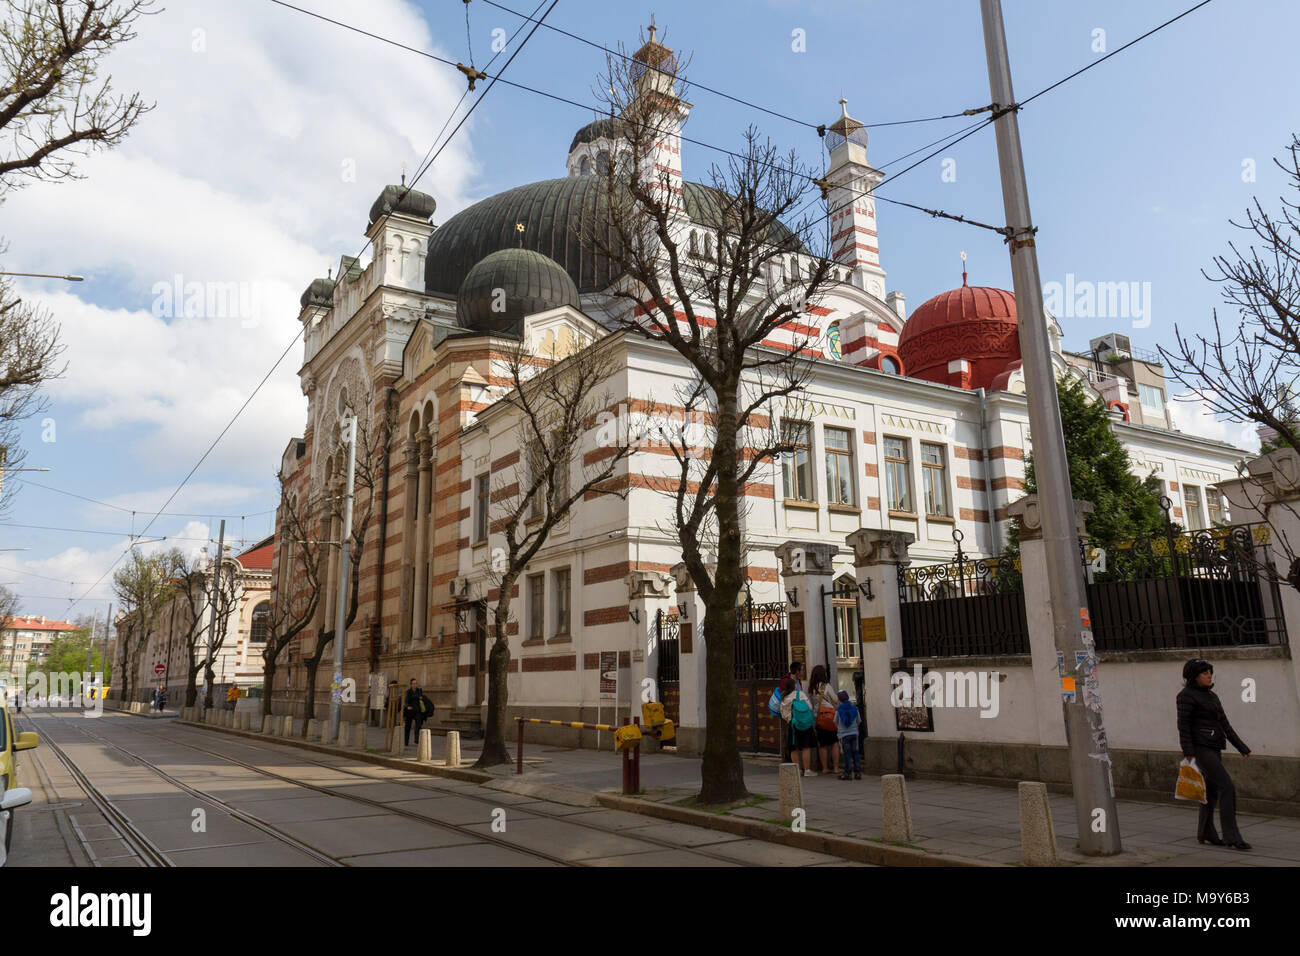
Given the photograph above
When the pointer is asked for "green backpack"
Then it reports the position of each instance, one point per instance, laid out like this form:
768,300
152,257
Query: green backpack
801,715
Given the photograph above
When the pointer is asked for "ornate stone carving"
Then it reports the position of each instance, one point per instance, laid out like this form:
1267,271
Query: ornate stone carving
879,546
806,557
682,578
648,584
1029,514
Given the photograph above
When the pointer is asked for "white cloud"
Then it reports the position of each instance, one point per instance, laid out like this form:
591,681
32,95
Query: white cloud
1194,417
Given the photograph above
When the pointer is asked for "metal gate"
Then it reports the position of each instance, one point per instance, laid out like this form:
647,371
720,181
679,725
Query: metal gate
762,657
668,673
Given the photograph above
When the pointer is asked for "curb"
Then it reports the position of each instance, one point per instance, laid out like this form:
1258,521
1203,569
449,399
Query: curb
554,792
858,851
396,763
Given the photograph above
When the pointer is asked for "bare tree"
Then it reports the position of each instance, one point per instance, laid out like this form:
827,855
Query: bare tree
53,104
29,360
143,587
372,439
9,603
554,401
720,290
192,594
296,590
1248,369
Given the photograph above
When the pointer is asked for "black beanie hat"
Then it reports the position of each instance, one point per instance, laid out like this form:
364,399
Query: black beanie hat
1194,668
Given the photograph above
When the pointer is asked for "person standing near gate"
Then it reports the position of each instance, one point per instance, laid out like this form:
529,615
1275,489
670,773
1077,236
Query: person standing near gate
1204,732
824,703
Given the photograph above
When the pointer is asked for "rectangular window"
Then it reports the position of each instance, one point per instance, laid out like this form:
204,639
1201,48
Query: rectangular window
1214,505
561,480
847,637
898,475
1152,397
536,465
839,466
561,582
536,606
1192,506
796,466
482,496
935,478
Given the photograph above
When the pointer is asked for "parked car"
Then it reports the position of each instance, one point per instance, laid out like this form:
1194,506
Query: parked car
11,796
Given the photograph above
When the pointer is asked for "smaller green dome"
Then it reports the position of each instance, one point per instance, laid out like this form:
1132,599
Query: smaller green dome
607,128
507,285
320,292
404,201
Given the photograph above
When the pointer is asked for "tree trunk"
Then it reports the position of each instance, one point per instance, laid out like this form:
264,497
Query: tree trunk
191,686
494,745
722,772
309,707
268,684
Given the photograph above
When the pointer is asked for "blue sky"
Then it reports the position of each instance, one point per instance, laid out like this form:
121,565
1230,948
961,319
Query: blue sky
274,133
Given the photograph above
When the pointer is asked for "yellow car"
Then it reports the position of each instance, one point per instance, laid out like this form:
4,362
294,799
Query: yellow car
11,795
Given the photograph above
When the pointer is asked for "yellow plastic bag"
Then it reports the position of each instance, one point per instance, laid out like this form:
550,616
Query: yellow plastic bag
1191,784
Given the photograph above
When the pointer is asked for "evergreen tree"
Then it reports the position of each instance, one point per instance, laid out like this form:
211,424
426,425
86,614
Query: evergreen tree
1125,506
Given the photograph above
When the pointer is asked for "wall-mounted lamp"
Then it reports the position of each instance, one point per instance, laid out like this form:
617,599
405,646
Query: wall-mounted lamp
865,588
634,614
681,610
793,595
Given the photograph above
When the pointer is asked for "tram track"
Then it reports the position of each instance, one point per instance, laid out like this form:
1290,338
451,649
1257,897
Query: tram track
427,789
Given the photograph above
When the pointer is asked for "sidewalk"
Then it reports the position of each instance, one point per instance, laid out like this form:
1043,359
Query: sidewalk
954,819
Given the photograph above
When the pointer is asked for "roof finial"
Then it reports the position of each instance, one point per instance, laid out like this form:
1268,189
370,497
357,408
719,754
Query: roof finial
844,104
519,228
653,28
963,269
403,172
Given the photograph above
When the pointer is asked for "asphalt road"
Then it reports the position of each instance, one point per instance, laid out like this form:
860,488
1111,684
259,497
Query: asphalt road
123,791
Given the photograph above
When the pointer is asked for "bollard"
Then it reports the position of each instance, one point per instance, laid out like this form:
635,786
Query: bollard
453,748
399,746
246,721
519,759
358,735
791,787
288,727
424,753
1037,838
313,729
267,723
895,808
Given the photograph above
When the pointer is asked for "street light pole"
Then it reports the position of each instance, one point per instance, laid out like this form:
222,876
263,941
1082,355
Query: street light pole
349,436
1090,765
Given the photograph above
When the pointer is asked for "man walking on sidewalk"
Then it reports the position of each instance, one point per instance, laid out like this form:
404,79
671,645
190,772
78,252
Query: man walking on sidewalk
415,710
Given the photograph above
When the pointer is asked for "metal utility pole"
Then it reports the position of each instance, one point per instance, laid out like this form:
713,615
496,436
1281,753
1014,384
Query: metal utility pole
349,437
1090,767
90,651
212,618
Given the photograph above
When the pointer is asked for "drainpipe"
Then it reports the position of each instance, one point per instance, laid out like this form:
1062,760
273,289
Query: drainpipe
988,484
389,395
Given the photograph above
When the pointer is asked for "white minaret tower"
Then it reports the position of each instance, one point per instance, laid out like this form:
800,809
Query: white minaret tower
850,180
655,77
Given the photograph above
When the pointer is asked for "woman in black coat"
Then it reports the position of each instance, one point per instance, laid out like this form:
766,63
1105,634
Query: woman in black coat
1204,731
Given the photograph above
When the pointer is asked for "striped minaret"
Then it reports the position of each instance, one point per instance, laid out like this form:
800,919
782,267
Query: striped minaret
850,180
655,74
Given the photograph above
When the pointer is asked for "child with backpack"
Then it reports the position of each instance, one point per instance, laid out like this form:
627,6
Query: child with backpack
796,710
847,724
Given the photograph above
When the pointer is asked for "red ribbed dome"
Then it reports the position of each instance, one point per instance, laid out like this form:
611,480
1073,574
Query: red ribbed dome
973,323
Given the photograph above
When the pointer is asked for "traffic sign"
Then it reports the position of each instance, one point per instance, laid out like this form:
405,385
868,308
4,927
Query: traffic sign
160,669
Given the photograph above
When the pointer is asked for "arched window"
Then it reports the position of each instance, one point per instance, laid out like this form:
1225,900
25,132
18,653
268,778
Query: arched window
888,364
602,163
833,340
261,623
695,243
708,246
584,168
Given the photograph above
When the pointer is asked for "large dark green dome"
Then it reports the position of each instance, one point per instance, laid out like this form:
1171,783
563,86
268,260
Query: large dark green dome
554,214
508,285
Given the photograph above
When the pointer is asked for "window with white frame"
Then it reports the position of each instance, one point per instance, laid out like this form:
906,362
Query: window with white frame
848,643
1152,397
1192,506
839,466
560,581
796,466
536,606
934,476
1214,506
898,474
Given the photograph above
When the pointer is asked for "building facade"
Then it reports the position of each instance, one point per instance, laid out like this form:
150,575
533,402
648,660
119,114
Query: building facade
911,422
27,640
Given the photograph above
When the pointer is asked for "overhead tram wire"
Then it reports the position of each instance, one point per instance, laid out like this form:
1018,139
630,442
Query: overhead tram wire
165,514
819,127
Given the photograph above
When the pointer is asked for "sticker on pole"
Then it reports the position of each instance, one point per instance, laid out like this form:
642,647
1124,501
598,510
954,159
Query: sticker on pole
1084,617
1067,689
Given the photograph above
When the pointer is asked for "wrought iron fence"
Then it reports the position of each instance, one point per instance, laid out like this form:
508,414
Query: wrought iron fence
967,606
1180,589
668,638
762,646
